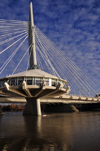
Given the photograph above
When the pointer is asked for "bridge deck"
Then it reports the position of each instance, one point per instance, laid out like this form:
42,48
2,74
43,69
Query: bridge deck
62,99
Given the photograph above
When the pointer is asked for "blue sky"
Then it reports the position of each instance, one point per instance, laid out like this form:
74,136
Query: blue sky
73,25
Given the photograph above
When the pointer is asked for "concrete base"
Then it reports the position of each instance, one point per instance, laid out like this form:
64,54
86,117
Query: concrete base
32,107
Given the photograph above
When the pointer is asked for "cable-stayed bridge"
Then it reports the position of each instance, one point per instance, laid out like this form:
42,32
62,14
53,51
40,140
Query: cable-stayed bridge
49,58
16,56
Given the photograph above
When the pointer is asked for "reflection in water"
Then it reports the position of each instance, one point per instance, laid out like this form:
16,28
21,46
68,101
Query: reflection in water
53,132
49,132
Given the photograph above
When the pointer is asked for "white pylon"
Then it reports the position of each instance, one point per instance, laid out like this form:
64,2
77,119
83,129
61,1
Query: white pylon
32,51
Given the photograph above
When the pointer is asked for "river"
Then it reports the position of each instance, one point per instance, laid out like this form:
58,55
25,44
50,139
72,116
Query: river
50,132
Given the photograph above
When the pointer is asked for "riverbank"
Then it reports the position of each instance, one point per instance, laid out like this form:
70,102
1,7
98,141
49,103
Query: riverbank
54,108
12,108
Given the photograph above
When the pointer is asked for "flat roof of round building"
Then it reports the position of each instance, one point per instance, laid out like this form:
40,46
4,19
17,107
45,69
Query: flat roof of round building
32,73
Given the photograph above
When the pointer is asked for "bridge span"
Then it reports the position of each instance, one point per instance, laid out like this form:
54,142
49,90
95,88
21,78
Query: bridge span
65,99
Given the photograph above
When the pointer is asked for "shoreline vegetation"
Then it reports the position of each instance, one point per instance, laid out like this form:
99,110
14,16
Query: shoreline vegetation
12,107
52,108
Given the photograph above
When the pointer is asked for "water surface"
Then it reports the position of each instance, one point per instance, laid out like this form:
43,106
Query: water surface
50,132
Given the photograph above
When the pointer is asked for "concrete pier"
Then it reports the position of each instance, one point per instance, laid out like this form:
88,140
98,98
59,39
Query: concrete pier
32,107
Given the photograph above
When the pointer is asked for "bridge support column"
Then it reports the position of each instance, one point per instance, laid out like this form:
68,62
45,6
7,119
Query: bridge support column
32,107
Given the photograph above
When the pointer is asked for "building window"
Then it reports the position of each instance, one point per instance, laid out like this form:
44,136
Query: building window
12,82
20,81
53,82
65,85
29,80
1,84
38,81
46,81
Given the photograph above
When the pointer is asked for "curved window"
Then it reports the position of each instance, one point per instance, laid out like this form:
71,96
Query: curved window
29,80
64,84
59,82
53,82
1,84
46,81
38,81
12,82
20,81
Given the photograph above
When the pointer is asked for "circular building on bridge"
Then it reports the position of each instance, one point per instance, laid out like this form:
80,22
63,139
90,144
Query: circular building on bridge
33,83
